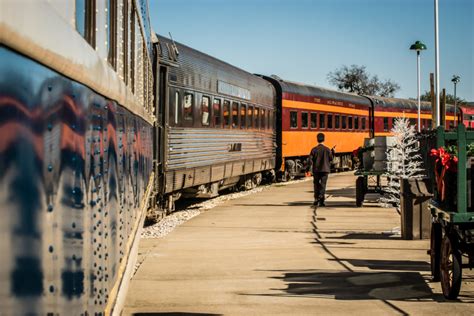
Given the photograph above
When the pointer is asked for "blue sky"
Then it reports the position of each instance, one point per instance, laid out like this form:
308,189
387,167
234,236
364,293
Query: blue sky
304,40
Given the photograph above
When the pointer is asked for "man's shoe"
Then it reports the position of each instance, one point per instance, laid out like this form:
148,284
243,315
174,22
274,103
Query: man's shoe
322,204
315,203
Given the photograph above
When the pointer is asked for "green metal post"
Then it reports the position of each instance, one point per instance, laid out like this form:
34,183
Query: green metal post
462,173
440,137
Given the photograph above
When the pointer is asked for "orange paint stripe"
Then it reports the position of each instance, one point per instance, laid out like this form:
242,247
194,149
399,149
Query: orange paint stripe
337,109
299,143
322,107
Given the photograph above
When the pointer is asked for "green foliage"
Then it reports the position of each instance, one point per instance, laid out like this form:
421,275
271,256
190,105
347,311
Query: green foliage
355,79
453,150
449,98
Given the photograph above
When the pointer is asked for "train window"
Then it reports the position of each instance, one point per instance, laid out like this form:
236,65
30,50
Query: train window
235,115
314,120
262,118
81,17
330,121
363,123
322,120
176,108
349,122
243,116
216,106
85,20
293,119
356,123
188,106
385,123
125,39
249,116
226,113
132,50
269,119
304,120
256,118
205,103
337,122
111,27
343,122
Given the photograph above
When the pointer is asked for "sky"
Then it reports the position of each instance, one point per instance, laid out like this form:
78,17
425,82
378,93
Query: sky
304,40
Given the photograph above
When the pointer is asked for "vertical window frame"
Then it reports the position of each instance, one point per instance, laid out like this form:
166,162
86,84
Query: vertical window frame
322,121
294,114
315,116
235,115
243,116
188,115
218,115
226,121
203,124
303,115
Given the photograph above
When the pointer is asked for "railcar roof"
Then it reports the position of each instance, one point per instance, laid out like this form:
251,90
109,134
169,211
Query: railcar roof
199,70
405,104
314,91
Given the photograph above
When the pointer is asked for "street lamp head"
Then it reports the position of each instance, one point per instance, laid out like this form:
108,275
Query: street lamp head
456,79
418,46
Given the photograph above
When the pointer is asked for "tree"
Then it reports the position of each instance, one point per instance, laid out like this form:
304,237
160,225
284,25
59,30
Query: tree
449,98
355,79
404,160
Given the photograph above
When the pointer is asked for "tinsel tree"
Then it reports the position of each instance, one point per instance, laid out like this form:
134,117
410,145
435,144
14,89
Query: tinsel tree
403,161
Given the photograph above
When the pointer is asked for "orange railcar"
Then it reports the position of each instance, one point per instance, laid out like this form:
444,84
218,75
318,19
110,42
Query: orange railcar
346,119
303,111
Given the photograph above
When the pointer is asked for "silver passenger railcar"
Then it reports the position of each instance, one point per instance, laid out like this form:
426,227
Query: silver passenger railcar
215,124
76,137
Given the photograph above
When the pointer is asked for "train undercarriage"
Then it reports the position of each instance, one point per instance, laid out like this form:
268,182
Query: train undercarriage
296,167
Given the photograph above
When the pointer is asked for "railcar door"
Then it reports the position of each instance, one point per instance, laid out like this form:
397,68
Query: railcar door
161,115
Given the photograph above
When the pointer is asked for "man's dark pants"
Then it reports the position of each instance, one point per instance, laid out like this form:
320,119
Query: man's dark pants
319,181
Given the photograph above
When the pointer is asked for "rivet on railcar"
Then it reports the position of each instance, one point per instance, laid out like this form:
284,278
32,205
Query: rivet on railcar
215,125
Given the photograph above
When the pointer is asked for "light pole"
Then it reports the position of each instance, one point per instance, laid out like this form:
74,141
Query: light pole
455,80
418,46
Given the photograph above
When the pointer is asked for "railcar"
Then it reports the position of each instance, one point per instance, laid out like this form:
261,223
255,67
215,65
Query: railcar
387,109
215,125
466,115
305,110
345,119
76,137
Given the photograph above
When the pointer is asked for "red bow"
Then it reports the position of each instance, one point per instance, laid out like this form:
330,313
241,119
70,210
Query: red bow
448,162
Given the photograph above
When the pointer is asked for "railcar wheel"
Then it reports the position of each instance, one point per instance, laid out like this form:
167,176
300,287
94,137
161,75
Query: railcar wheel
435,250
451,270
360,191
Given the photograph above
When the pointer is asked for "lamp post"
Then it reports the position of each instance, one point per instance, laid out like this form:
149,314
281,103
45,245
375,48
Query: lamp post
455,80
418,47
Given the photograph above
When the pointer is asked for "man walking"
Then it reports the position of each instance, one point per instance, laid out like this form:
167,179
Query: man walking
320,161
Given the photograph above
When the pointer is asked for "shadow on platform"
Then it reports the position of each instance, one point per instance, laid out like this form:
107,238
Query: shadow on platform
403,265
368,236
174,314
358,285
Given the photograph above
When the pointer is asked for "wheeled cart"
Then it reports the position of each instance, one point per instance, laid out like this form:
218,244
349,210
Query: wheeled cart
368,182
452,228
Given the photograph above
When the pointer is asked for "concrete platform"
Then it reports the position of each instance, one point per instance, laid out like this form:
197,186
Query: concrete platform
272,253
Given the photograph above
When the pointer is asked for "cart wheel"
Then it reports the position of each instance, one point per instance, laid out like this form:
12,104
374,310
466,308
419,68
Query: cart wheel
360,191
435,250
451,271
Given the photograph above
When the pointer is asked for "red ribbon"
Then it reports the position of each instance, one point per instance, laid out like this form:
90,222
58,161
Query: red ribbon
447,162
